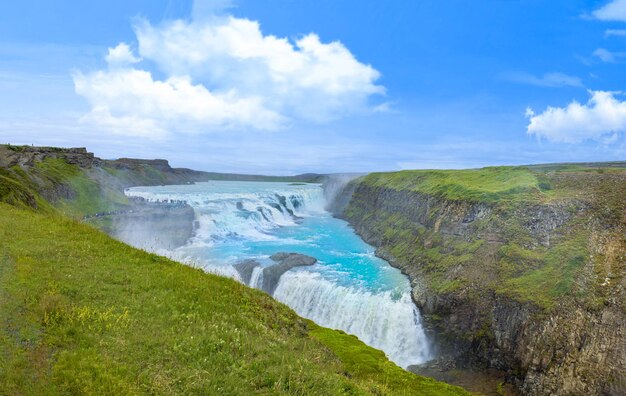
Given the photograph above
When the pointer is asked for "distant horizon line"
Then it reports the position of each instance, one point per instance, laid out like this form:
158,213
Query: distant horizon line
617,163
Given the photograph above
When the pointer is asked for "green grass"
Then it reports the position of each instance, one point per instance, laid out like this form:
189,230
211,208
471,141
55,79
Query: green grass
13,193
17,193
371,367
485,185
88,195
81,313
85,195
515,262
554,272
17,149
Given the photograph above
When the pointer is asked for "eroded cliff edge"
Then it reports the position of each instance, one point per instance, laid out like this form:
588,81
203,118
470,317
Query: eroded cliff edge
515,268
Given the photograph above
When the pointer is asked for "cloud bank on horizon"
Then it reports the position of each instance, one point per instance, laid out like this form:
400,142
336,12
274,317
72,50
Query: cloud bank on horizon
217,72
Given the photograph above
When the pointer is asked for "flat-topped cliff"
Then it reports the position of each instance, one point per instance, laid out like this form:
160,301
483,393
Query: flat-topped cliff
29,155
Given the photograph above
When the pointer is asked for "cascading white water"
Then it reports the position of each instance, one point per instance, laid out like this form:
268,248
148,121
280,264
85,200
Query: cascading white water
257,278
349,289
251,215
379,319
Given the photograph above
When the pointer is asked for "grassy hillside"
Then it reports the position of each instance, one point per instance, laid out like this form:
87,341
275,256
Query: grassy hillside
53,185
498,184
82,313
479,185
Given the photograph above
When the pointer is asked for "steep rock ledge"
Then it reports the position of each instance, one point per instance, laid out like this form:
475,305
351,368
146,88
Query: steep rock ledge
27,156
531,286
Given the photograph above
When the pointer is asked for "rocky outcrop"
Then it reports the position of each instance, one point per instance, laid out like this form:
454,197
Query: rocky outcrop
284,262
28,155
271,274
468,261
245,269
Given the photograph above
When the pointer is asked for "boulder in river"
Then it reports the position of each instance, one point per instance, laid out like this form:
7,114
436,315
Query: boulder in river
271,274
245,269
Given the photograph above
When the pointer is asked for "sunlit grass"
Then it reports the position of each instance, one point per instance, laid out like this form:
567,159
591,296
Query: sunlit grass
486,184
81,313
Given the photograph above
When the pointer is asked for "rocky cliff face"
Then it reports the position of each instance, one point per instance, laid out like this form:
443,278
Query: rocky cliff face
27,156
530,283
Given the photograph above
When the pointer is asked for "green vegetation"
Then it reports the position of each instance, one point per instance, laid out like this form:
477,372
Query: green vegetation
81,313
503,251
86,196
15,148
138,175
476,185
550,275
18,190
13,193
68,188
370,366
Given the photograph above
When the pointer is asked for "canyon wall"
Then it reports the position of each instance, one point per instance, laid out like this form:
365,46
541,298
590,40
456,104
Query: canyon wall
526,278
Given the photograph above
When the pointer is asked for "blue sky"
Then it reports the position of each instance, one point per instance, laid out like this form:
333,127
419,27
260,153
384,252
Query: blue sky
290,86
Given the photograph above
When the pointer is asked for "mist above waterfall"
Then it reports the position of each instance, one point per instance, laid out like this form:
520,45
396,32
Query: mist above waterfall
336,191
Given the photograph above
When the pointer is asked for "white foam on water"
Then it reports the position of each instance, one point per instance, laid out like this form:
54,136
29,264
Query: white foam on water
245,215
382,320
385,320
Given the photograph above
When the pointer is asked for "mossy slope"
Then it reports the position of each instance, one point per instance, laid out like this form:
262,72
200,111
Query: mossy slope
53,185
81,313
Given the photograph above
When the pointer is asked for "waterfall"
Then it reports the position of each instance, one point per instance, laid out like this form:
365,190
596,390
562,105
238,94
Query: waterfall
257,278
251,215
241,224
382,320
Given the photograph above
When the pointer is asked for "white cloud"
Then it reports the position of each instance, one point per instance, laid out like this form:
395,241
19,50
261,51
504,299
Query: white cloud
547,80
133,97
127,125
223,72
602,118
311,80
607,56
613,11
614,32
604,55
121,56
